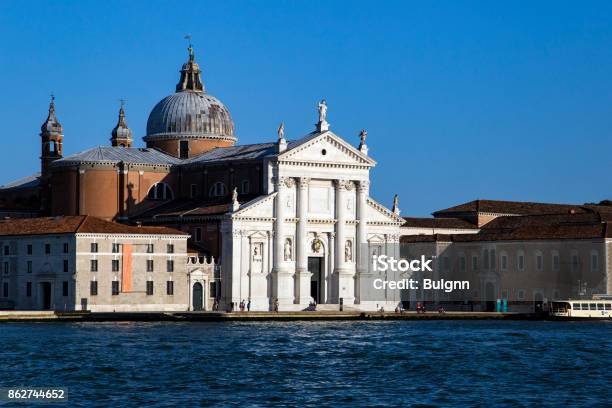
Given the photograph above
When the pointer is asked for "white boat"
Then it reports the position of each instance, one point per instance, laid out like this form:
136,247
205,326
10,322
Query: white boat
600,307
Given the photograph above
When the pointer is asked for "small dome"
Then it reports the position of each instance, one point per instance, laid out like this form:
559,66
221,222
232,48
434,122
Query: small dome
190,114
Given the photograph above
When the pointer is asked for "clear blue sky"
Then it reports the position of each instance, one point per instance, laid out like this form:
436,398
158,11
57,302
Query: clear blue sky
461,100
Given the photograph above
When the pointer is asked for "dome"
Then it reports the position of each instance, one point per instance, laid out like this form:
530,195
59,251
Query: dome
190,121
190,114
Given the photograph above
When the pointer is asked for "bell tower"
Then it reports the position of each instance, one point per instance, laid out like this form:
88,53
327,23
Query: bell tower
51,134
51,137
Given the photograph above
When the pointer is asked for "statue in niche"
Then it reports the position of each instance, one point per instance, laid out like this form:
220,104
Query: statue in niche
288,250
257,258
348,251
316,245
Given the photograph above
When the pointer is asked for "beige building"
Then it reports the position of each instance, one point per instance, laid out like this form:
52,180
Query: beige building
522,253
85,263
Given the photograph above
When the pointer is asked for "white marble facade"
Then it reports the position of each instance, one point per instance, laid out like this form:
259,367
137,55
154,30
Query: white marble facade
317,218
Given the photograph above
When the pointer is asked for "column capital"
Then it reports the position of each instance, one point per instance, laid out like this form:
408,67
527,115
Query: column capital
363,185
342,184
284,182
304,182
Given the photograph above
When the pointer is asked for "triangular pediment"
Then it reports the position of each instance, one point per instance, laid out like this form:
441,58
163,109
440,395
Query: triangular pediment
261,207
327,148
381,214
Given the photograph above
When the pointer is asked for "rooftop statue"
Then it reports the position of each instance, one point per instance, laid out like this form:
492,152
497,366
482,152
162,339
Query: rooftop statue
281,131
322,111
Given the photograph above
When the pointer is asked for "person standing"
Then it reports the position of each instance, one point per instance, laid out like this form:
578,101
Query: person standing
249,306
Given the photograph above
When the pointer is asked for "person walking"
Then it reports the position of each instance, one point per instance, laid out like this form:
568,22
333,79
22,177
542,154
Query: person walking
249,306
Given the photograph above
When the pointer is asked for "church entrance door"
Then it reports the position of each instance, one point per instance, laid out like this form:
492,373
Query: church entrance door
315,267
197,296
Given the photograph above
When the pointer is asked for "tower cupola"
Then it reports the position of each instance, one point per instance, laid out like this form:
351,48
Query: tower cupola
51,134
121,135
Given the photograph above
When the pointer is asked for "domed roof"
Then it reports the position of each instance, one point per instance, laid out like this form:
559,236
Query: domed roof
190,113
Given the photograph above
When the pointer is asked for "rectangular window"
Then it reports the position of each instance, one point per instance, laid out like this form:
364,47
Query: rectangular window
446,263
65,288
492,254
198,234
115,288
29,265
94,265
6,250
65,265
594,262
47,249
169,288
555,262
93,288
115,265
149,265
462,264
194,191
5,292
521,294
486,259
539,262
608,306
149,248
521,262
149,288
29,289
170,265
29,249
65,247
184,149
474,263
94,247
592,306
6,268
574,263
504,262
213,290
115,248
170,248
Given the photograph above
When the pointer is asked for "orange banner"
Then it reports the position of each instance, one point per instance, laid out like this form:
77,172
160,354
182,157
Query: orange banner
126,271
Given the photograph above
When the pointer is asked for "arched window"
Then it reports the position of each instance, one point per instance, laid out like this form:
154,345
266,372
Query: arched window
217,190
160,191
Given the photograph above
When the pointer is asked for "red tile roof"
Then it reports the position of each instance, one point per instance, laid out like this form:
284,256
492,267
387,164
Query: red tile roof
75,224
532,227
519,208
451,223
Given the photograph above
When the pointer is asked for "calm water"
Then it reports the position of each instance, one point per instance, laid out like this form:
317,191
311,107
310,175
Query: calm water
438,363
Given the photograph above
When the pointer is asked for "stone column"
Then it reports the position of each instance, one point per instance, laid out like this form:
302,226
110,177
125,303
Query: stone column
282,284
361,239
343,275
302,274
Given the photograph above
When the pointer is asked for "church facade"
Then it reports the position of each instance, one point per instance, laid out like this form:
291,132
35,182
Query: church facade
289,222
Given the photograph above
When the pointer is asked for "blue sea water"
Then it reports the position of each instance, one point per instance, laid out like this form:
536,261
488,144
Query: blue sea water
384,363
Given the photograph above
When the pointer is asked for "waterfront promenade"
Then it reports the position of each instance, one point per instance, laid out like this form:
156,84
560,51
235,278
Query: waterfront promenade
15,316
